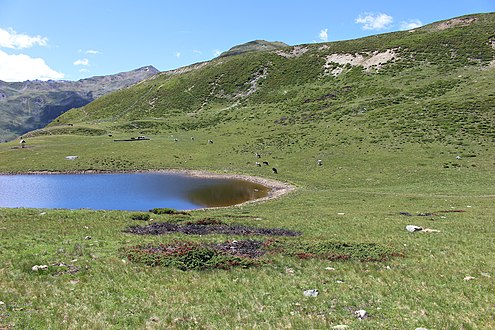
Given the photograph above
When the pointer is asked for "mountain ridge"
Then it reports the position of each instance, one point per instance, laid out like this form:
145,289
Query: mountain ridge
32,104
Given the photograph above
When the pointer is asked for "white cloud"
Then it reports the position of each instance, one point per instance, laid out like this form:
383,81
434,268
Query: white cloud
216,52
371,21
92,52
22,67
11,39
177,54
410,24
324,35
83,61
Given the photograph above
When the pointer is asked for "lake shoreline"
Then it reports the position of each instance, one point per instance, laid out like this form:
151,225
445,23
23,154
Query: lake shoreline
277,188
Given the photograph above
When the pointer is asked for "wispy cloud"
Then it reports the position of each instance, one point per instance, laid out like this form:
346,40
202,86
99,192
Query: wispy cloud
410,24
22,67
83,61
83,70
92,52
217,52
197,52
324,35
177,54
11,39
372,21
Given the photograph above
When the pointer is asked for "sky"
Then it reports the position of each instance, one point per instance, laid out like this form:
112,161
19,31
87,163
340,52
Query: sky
75,39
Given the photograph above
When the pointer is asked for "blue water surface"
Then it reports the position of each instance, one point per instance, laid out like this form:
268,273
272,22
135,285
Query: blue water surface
123,191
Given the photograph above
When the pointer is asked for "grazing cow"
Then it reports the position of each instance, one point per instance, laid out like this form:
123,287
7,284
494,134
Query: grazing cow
320,162
210,141
274,170
265,163
22,142
258,164
192,138
176,140
258,155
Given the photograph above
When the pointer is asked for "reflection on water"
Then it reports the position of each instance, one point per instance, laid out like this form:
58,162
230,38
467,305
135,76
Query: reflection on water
136,191
228,193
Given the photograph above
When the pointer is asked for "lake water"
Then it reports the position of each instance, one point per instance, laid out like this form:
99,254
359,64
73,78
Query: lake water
130,191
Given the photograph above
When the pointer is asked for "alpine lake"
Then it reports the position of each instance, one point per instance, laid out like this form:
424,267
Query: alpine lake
125,191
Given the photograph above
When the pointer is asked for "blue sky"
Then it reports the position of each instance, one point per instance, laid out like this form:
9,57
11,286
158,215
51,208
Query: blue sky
74,39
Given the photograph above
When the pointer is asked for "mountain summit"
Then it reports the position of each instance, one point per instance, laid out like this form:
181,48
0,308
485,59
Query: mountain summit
254,46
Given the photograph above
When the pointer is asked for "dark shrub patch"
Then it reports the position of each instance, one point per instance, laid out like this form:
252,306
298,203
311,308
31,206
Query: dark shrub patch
334,250
167,211
205,228
205,222
197,256
140,216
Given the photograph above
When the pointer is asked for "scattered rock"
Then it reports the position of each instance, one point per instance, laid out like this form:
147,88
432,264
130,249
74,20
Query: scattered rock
469,278
361,314
2,303
36,268
340,327
407,214
42,213
485,274
74,282
428,230
340,213
289,271
71,157
413,228
311,293
330,268
421,329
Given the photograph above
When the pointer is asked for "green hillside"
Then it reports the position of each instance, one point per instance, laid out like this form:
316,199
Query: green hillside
404,126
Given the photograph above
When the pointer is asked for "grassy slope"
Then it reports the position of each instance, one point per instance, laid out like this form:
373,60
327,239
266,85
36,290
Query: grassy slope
397,155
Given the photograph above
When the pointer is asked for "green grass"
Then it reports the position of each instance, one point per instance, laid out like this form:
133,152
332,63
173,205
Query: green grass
388,141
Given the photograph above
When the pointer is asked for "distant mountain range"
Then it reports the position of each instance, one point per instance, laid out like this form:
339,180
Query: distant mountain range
29,105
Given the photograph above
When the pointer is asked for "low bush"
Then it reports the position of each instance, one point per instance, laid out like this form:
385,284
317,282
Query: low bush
191,256
167,211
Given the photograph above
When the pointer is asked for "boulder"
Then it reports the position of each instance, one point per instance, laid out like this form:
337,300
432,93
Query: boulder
413,228
311,293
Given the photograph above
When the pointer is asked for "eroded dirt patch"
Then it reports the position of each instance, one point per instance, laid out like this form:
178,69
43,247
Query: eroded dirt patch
463,21
369,60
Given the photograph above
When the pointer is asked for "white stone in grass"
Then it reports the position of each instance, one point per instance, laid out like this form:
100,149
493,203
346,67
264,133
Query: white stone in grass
361,314
2,303
413,228
420,329
469,278
36,268
340,327
71,157
311,293
330,268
